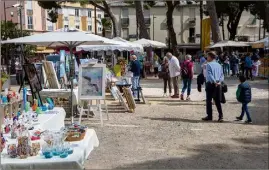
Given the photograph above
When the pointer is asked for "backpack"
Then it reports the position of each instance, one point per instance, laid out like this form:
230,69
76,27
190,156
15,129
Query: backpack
184,70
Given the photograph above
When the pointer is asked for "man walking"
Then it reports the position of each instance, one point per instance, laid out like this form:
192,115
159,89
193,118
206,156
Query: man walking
187,75
214,77
135,68
174,70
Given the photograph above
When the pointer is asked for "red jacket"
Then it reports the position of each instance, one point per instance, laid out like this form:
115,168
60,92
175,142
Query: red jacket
189,65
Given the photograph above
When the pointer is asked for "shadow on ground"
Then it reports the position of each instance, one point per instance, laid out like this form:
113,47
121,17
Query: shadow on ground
259,111
215,156
182,120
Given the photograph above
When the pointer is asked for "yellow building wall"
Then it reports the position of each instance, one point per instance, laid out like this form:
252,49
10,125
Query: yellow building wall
83,23
60,21
71,21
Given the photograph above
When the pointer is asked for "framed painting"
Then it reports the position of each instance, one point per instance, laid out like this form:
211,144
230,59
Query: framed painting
92,82
32,77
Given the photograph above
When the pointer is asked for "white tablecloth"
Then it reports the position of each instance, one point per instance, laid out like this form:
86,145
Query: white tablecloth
46,122
64,93
82,149
76,160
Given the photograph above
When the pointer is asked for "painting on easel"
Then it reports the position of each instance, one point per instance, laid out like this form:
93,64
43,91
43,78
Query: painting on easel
32,77
92,82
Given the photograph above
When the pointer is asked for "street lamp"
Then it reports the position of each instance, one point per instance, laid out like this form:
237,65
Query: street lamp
153,17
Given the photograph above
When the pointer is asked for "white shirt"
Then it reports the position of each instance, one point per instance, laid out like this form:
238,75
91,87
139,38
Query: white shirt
174,67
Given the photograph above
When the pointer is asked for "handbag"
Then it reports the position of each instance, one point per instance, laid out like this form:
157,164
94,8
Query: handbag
224,87
222,99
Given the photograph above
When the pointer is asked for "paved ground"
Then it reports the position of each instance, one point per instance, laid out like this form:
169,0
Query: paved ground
169,134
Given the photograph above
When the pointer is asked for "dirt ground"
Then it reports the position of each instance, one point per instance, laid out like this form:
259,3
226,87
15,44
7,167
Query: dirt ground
169,134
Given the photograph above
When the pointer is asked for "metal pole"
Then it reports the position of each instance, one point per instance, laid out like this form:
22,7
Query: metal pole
153,27
22,58
72,70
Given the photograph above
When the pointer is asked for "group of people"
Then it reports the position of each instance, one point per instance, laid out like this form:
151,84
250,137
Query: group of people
213,74
243,64
171,69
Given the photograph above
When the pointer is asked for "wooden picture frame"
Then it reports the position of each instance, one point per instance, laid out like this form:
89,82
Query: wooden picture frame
129,98
32,78
121,100
51,76
92,82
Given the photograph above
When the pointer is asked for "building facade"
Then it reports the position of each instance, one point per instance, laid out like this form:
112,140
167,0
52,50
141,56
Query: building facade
73,15
186,19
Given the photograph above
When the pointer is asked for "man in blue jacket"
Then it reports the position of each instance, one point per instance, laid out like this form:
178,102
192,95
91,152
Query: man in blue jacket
135,69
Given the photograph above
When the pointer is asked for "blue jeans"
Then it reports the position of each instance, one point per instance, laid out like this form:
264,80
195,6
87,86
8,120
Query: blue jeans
186,85
135,85
245,109
226,69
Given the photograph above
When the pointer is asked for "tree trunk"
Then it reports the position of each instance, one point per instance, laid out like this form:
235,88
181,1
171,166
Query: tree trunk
143,33
104,32
216,35
113,19
170,27
233,23
266,19
106,8
222,26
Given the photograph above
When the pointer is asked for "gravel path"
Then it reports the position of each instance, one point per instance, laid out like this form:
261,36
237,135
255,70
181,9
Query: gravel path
169,134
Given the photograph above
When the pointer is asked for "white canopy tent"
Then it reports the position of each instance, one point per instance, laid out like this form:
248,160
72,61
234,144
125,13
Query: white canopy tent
70,38
150,43
123,45
227,43
264,43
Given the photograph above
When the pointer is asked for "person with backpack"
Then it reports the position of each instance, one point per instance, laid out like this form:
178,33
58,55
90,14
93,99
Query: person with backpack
186,75
243,95
166,77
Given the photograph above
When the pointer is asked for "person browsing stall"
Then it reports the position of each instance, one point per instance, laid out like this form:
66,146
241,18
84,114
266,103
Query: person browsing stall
135,69
174,70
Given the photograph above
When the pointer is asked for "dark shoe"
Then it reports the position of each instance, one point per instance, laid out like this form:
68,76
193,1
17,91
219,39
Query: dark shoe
175,96
181,97
248,122
239,118
220,120
207,119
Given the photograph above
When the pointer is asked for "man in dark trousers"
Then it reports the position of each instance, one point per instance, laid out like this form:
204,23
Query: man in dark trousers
135,68
214,77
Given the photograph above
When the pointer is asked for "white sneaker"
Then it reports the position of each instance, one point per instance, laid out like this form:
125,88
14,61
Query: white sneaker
164,95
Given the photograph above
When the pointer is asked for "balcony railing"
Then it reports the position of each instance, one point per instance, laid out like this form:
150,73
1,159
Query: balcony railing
125,22
147,21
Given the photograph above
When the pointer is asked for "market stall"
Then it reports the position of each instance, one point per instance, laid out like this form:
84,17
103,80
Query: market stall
226,43
33,153
264,67
150,43
70,38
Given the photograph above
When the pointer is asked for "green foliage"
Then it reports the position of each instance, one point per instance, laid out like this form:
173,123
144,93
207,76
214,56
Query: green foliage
4,77
11,30
52,7
106,23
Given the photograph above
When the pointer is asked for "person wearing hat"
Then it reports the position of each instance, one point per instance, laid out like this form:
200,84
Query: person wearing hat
214,78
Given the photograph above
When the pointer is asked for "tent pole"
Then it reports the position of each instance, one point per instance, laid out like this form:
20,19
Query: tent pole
71,78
